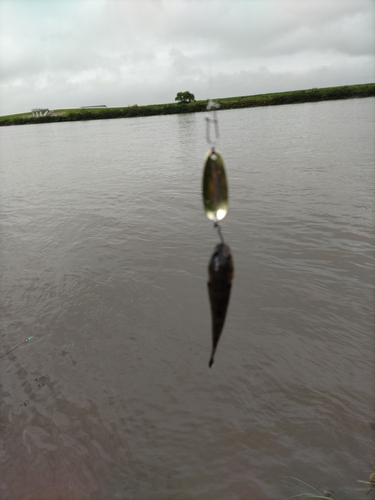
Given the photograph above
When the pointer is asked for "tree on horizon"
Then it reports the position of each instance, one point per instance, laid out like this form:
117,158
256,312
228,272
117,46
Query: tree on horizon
184,97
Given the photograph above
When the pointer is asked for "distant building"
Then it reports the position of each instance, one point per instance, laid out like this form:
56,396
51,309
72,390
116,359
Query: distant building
95,106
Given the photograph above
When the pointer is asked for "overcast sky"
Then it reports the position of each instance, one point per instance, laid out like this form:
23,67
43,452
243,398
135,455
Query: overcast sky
69,53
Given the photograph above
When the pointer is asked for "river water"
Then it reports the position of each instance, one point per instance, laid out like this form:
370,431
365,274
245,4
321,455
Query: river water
104,258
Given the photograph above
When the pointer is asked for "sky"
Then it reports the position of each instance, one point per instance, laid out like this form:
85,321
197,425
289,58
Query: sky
70,53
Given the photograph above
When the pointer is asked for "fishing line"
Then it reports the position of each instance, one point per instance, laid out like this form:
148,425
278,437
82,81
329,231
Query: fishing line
212,106
215,203
17,346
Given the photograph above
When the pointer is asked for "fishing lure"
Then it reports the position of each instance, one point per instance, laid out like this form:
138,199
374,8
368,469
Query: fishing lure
215,203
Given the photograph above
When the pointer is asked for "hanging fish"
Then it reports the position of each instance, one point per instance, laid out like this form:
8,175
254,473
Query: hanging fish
220,272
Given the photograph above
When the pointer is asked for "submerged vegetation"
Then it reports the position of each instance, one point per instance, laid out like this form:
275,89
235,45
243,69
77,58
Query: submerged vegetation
314,493
100,113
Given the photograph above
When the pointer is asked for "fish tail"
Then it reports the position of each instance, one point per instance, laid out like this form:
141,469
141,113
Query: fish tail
211,362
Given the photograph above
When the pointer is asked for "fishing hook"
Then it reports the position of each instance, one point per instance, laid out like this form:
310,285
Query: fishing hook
218,229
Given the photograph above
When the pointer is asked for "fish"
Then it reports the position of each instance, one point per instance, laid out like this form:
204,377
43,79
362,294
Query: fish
220,273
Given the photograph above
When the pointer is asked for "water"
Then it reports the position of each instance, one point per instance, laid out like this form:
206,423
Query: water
105,248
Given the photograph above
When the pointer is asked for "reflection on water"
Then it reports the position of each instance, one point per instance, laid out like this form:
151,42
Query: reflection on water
104,262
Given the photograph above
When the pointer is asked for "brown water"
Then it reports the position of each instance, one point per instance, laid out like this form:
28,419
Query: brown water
104,259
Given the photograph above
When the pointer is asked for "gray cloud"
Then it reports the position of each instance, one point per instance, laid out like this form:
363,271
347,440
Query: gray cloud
66,54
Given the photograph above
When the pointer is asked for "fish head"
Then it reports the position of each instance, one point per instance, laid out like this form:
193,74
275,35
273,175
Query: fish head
220,266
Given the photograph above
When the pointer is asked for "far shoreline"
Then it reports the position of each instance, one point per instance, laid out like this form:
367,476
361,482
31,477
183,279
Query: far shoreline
271,99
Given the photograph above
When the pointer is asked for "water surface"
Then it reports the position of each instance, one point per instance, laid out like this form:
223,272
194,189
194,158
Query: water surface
104,260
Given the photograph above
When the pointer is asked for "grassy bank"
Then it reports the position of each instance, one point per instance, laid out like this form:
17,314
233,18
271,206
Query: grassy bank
292,97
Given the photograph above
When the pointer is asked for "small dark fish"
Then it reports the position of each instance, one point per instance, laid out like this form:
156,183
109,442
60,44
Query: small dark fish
220,272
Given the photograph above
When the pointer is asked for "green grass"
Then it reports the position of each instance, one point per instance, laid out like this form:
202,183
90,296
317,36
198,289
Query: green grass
277,98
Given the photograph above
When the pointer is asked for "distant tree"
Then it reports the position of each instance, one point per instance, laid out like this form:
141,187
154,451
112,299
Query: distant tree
183,97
